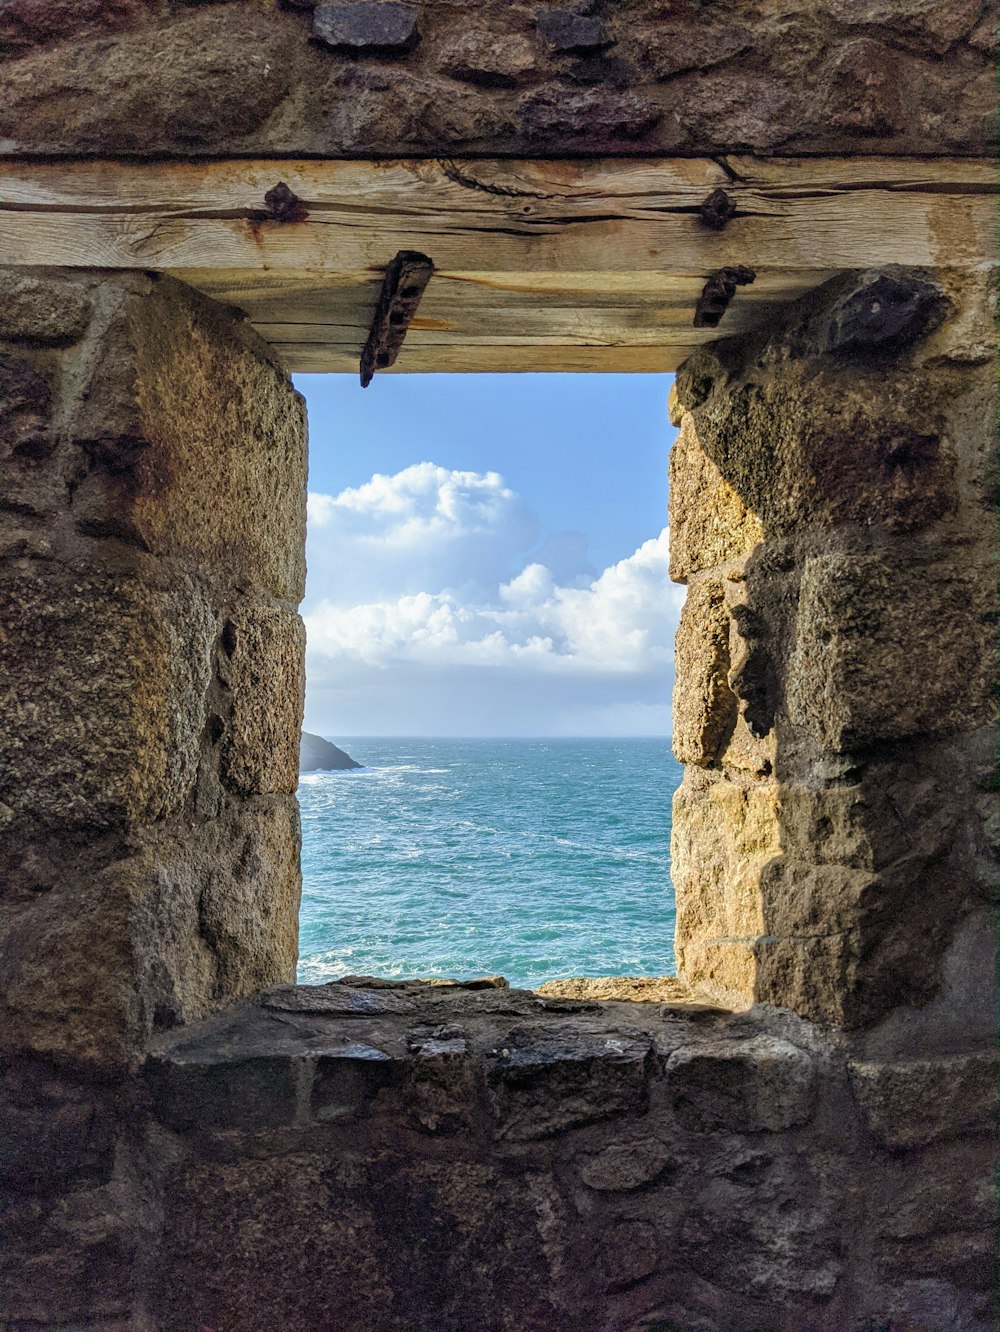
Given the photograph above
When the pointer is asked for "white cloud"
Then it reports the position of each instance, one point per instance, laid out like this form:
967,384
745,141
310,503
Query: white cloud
433,584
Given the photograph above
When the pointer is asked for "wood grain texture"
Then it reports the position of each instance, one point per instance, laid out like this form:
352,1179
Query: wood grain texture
603,257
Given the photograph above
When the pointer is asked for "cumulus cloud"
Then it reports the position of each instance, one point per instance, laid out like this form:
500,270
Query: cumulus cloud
424,575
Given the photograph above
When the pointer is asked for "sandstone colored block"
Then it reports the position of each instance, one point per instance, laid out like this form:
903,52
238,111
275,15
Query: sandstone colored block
192,443
704,706
248,909
762,1085
264,670
913,1102
104,706
710,524
723,834
864,623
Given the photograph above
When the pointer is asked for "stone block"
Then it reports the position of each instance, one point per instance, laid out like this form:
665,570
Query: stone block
762,1085
441,1083
207,1090
628,1253
263,667
206,79
792,436
886,650
910,1103
349,1080
710,524
248,908
46,311
52,1131
490,58
571,33
546,1082
394,1242
164,431
704,706
25,411
625,1166
104,707
723,834
601,116
776,1235
384,28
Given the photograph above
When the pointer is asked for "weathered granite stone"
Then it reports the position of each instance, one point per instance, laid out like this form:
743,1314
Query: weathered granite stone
207,77
245,1092
565,32
629,1165
601,117
262,664
382,28
709,521
334,998
910,1103
494,58
762,1085
104,729
179,374
42,311
546,1082
885,313
862,621
704,711
628,1253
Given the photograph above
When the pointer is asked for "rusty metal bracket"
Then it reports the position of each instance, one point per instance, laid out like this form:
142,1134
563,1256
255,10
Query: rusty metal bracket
718,291
403,286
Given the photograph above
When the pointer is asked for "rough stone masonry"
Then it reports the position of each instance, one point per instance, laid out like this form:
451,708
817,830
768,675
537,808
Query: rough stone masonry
797,1134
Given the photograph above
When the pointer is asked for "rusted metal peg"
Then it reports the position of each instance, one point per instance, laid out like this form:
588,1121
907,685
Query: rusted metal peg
402,287
284,205
718,210
718,291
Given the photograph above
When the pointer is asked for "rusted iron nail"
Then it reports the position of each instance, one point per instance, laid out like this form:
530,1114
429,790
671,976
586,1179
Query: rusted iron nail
402,287
717,211
718,291
284,205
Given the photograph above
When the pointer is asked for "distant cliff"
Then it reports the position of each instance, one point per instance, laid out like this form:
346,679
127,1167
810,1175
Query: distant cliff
318,755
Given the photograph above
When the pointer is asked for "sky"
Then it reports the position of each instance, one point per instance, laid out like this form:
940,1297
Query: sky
487,556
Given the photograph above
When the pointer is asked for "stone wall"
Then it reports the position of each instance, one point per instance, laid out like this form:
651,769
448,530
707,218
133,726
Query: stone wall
260,78
152,471
832,510
417,1158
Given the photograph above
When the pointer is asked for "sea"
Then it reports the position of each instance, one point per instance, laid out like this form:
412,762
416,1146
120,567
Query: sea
530,859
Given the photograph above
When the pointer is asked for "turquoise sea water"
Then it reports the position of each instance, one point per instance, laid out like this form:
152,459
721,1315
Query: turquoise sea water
532,859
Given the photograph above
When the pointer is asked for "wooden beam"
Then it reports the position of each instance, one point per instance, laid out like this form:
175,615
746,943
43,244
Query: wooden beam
610,216
539,264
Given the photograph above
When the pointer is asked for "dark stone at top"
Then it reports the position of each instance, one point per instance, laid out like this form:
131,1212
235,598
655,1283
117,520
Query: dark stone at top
318,755
571,32
888,312
367,28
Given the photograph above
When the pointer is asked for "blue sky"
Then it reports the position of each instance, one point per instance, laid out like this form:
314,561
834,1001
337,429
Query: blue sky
487,555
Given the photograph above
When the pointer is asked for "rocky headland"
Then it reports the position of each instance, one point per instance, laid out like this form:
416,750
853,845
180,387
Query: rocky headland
318,755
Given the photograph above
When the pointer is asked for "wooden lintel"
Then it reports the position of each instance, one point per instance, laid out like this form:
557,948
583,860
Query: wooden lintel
535,260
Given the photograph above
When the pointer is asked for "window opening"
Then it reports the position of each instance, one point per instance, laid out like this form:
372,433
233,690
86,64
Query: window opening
490,635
